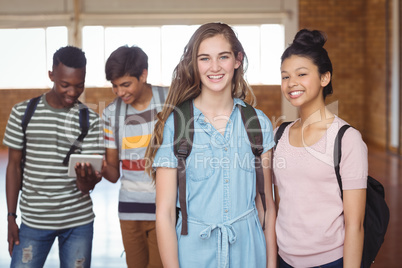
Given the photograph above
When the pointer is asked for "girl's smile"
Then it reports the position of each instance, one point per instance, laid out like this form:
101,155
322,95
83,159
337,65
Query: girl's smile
302,83
216,64
295,94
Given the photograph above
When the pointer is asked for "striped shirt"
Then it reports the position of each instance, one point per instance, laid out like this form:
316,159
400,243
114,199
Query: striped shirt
50,199
137,192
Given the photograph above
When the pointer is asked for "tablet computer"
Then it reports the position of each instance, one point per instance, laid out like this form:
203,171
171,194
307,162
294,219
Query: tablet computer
94,159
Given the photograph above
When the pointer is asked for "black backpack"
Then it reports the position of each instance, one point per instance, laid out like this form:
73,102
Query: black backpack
30,110
183,139
376,217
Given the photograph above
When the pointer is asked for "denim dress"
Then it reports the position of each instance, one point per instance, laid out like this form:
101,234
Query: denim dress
223,225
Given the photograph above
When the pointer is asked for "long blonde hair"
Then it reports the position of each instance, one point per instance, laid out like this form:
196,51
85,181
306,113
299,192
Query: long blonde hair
186,81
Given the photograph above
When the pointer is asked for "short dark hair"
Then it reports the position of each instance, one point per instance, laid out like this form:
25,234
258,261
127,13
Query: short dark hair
126,60
70,56
310,44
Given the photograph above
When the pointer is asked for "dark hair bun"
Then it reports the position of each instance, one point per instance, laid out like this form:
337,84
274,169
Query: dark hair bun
310,38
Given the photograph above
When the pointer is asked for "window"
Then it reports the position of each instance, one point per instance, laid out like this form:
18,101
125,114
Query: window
164,46
27,53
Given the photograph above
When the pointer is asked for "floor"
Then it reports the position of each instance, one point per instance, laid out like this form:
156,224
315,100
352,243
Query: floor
108,249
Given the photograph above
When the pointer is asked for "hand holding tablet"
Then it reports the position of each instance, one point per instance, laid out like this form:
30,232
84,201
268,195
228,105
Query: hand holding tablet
94,159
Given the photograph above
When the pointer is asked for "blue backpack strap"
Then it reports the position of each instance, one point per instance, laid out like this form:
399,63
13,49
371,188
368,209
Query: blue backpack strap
84,125
253,128
182,145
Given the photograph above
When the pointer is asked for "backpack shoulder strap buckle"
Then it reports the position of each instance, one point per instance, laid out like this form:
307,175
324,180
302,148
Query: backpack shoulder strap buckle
183,149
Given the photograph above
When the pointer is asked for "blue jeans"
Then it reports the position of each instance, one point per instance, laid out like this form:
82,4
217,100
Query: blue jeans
75,247
335,264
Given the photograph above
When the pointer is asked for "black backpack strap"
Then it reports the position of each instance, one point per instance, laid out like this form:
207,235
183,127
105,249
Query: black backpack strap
84,125
338,154
279,132
29,111
253,128
182,145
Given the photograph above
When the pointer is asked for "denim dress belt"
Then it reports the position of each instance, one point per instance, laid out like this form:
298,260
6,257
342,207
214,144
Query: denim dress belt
226,235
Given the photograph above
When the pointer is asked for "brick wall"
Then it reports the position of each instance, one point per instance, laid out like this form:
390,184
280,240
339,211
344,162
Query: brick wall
375,72
98,98
343,22
356,46
269,99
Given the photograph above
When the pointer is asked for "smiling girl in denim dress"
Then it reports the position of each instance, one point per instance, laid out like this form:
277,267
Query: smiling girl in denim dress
225,213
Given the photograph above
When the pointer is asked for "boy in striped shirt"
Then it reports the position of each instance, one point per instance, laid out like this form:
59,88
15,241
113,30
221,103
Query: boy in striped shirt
128,125
52,204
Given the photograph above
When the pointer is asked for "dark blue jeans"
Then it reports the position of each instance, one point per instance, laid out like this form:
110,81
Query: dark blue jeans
75,246
335,264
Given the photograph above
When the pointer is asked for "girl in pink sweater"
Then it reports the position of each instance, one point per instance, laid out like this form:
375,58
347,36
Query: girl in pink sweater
314,227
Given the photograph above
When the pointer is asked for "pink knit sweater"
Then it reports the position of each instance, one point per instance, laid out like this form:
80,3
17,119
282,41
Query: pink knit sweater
310,225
